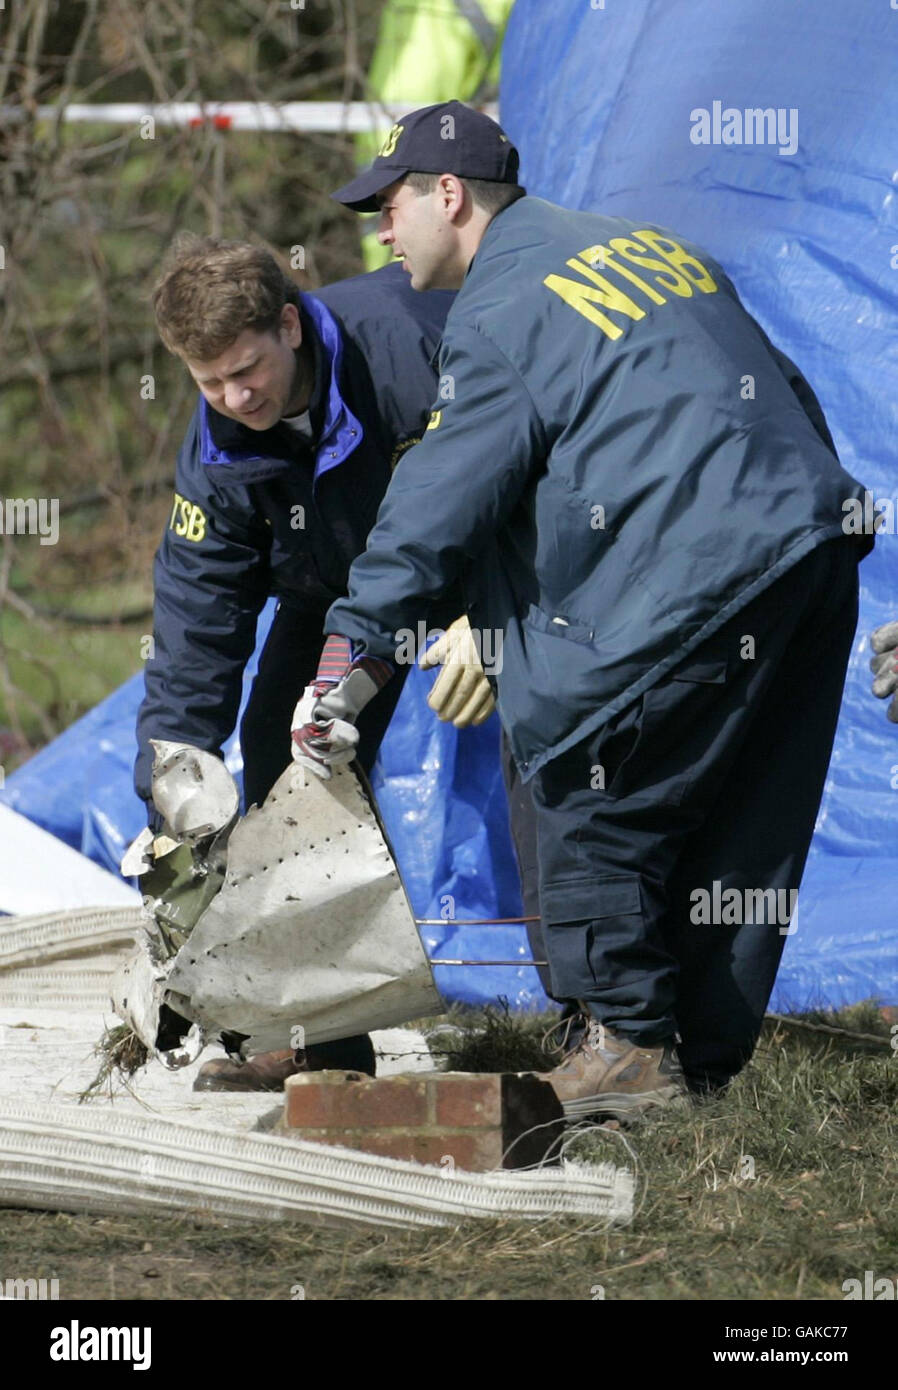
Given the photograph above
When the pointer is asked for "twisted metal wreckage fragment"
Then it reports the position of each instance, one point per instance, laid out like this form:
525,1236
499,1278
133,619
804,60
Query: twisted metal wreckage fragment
290,922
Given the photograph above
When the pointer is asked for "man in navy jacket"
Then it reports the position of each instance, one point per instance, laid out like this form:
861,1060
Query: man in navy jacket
646,504
306,403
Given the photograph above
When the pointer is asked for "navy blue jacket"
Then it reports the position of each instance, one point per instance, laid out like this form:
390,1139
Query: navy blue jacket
621,453
257,513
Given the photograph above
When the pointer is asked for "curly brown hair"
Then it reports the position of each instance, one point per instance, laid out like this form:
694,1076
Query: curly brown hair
209,291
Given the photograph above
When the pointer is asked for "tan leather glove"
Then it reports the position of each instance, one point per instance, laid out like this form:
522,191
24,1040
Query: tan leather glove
461,694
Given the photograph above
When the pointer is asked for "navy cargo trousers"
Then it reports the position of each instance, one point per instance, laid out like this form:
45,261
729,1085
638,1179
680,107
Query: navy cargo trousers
709,783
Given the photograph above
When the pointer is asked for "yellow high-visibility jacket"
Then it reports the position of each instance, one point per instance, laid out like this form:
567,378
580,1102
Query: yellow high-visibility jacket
428,51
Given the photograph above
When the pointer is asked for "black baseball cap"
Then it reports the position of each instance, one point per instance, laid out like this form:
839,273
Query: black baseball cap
449,138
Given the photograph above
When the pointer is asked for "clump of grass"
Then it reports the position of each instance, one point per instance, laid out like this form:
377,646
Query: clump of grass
493,1039
121,1054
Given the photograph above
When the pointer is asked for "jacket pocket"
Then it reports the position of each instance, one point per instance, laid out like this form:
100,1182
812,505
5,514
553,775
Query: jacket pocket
703,670
559,625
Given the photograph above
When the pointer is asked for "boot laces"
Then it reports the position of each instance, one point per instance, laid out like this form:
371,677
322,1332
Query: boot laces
592,1032
564,1026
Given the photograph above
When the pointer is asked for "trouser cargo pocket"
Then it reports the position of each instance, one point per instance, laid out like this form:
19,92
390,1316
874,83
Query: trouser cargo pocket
588,924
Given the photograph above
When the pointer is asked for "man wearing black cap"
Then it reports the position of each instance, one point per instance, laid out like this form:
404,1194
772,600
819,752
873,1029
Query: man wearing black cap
644,502
421,145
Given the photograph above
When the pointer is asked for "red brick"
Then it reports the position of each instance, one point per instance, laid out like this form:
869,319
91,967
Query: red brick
394,1116
465,1100
348,1100
475,1151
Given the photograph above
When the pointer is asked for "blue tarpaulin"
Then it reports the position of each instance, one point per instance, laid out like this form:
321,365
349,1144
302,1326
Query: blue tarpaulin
609,103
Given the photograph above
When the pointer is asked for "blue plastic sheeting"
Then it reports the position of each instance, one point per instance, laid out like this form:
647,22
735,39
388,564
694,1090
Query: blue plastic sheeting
79,786
442,800
600,99
603,101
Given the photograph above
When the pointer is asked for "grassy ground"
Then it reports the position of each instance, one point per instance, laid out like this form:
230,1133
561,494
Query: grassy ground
780,1190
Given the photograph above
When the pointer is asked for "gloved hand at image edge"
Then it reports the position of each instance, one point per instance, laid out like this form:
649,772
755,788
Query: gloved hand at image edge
323,730
884,665
461,693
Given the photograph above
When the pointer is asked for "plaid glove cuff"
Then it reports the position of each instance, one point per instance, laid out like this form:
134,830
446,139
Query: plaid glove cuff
339,660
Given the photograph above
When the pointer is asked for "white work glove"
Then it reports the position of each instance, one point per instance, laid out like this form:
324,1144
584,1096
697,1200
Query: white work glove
884,666
461,693
321,740
323,733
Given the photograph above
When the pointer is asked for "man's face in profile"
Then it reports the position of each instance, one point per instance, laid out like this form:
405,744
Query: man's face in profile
416,229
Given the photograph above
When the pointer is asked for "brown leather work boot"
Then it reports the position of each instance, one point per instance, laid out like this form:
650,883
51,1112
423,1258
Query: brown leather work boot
605,1074
268,1071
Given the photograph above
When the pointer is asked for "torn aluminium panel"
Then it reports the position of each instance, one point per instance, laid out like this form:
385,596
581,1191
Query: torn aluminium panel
308,936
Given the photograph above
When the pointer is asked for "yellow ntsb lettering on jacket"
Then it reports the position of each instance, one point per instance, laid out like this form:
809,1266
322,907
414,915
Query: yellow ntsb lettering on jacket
187,519
679,274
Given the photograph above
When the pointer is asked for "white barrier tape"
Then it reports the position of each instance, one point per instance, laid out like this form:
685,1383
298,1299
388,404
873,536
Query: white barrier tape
313,117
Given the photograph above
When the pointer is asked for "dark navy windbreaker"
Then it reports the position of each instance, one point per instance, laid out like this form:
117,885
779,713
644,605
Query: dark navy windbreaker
618,457
259,513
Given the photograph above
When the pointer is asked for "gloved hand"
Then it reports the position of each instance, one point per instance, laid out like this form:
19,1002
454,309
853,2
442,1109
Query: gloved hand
461,693
884,665
323,730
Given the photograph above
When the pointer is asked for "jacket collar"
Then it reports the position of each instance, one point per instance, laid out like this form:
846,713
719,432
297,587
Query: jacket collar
241,455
